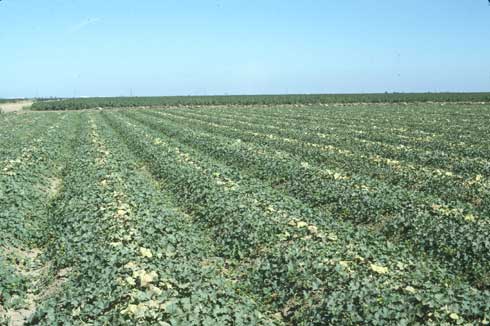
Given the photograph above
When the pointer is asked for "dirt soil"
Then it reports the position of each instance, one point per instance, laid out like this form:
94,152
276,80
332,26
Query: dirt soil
14,107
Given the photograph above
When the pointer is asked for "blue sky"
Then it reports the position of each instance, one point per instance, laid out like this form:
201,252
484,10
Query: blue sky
111,48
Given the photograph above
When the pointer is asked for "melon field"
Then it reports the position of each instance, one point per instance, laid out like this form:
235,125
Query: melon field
252,214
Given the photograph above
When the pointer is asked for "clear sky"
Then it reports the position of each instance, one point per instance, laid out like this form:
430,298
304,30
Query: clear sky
162,47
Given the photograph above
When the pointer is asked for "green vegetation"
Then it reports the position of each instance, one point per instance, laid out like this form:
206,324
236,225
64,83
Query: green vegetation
6,100
314,215
117,102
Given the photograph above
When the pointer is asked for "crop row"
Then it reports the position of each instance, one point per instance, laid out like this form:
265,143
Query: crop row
28,182
434,127
309,266
376,137
20,132
339,152
111,102
427,222
246,216
128,254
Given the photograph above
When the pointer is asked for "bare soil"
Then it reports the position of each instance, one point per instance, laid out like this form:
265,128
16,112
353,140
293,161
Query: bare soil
15,106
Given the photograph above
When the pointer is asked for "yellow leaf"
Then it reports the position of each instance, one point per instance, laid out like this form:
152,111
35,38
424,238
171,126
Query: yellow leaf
130,265
313,229
76,312
140,310
130,310
469,218
145,278
332,237
401,265
155,290
344,263
130,281
301,224
146,252
410,289
359,258
153,304
379,269
454,316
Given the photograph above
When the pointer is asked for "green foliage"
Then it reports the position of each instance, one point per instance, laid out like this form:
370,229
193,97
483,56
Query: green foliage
372,215
30,158
425,220
143,261
12,100
12,285
305,99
